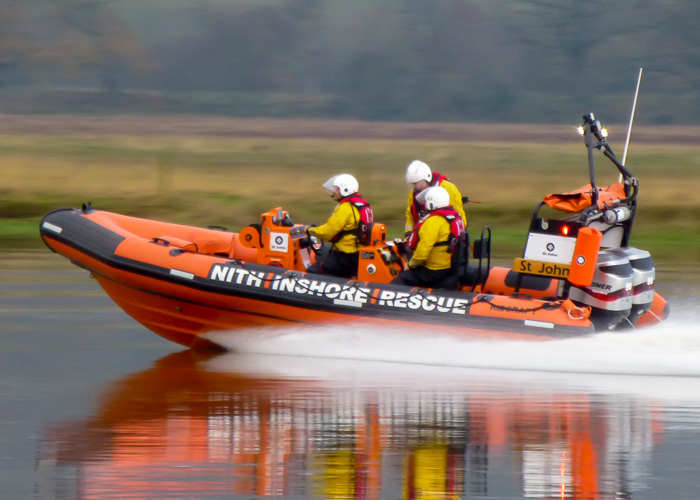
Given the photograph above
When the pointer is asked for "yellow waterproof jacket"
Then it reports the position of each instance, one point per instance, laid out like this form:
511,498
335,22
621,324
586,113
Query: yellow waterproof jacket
434,230
345,217
455,201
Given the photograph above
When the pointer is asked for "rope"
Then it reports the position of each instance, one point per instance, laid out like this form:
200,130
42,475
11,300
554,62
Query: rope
278,277
549,306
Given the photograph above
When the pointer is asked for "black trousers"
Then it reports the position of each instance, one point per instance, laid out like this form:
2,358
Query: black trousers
341,264
423,277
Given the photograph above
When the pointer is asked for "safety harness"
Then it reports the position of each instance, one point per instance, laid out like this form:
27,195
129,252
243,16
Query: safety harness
456,228
366,219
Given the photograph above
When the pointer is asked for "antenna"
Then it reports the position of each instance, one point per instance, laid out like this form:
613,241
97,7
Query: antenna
634,107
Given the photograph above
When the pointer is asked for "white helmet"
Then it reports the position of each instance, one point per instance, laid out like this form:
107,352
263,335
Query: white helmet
345,183
436,197
418,171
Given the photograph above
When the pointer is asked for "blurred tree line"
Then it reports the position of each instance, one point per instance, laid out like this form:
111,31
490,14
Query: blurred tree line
408,60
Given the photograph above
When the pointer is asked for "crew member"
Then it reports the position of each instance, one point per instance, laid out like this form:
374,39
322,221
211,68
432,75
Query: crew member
432,243
419,177
344,229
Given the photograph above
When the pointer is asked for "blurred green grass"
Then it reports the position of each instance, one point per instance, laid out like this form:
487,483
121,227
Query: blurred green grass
228,180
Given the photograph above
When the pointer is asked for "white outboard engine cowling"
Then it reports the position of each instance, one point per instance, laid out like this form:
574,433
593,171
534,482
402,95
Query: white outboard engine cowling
642,281
610,293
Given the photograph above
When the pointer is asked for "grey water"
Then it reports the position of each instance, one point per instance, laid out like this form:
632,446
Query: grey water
93,405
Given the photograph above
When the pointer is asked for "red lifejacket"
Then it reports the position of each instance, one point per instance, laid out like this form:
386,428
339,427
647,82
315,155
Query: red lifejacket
366,218
451,215
417,208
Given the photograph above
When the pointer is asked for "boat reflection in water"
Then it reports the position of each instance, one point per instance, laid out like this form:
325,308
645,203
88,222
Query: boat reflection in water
215,426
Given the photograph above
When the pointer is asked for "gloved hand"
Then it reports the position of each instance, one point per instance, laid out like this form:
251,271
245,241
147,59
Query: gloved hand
310,241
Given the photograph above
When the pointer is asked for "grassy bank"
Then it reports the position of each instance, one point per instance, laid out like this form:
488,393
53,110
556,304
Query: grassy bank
198,175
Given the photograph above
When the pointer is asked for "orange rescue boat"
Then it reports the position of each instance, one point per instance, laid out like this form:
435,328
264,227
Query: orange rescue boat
577,275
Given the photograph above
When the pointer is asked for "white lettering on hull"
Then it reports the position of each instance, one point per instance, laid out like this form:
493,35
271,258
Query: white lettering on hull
342,294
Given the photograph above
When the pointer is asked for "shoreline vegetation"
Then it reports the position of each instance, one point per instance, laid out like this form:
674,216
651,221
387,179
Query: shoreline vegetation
202,171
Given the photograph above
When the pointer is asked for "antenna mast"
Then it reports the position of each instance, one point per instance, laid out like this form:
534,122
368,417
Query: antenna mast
634,107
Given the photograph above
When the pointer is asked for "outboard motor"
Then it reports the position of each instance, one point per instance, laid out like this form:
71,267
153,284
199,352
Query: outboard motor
610,293
642,281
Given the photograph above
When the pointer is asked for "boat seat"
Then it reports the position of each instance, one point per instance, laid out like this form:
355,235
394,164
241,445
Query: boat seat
373,234
472,274
251,236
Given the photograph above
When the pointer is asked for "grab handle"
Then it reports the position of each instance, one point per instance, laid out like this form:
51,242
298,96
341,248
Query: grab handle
161,241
